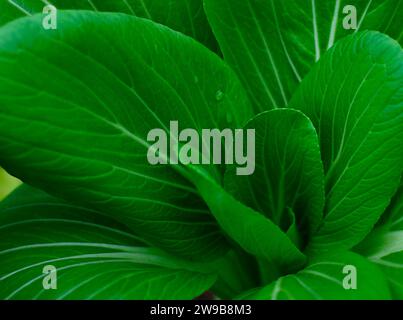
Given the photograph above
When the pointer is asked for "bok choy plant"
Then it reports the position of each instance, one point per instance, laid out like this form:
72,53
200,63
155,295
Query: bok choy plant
319,82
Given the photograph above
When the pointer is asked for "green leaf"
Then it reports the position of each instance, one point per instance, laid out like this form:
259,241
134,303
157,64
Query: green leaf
273,44
393,215
354,98
186,16
94,256
385,248
77,104
288,183
384,245
256,234
236,272
324,279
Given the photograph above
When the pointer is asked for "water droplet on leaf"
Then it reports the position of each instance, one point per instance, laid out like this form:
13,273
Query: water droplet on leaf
219,95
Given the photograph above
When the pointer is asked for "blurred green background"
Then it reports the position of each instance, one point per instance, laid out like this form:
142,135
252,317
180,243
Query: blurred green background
7,183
